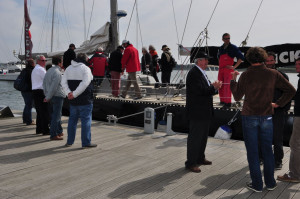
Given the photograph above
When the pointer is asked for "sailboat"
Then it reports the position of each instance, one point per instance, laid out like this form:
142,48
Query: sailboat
163,100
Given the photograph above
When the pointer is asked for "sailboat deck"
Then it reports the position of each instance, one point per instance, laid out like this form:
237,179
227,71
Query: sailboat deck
126,164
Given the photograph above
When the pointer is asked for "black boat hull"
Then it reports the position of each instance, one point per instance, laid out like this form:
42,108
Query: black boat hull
120,108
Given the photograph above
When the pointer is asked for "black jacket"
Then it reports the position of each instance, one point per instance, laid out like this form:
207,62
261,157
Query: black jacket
277,95
199,96
164,64
69,55
114,63
146,60
297,100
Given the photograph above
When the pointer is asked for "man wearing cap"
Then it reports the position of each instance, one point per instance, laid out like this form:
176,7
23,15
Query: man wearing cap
98,63
130,61
199,107
115,68
167,63
69,55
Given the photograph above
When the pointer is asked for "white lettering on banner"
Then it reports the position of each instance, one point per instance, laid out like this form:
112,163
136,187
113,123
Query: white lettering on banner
288,57
283,57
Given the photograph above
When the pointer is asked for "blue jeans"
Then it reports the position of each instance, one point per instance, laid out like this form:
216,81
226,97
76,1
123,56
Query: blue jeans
27,96
55,125
83,112
259,128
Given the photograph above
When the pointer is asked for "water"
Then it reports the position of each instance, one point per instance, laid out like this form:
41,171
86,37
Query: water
9,96
13,98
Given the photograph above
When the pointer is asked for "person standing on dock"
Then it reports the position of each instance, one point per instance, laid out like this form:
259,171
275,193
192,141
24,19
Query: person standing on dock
279,116
257,84
294,166
69,55
115,68
77,83
130,62
27,95
167,63
54,94
98,64
37,78
227,53
199,107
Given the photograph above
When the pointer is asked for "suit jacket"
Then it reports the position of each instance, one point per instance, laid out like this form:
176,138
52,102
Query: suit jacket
199,96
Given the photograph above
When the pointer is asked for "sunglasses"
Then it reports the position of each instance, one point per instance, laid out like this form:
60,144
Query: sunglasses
43,60
226,38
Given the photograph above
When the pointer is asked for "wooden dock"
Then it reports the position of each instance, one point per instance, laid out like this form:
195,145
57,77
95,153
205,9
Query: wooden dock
126,164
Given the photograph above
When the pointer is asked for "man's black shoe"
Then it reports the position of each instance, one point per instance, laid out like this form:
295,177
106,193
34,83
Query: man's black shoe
90,146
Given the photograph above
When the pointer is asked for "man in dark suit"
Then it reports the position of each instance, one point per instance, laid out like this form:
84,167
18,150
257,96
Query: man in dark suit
199,107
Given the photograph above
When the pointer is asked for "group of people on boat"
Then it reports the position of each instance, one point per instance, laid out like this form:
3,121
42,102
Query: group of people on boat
267,97
126,57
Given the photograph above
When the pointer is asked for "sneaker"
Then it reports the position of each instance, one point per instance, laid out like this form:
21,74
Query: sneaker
278,166
68,145
272,188
137,98
89,146
249,186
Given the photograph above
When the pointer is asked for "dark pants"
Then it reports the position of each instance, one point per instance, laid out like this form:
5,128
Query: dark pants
154,74
98,80
278,127
165,77
42,115
197,140
27,96
55,125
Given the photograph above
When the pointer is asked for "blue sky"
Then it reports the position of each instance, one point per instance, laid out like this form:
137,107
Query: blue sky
277,22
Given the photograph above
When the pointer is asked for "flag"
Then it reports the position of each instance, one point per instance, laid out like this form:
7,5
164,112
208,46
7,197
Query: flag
27,36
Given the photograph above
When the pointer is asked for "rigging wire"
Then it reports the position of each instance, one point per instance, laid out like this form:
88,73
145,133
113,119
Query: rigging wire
130,19
187,18
139,25
245,41
175,21
90,20
84,23
43,28
67,27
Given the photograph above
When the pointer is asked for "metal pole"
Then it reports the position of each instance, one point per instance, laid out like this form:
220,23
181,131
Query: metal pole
114,24
52,25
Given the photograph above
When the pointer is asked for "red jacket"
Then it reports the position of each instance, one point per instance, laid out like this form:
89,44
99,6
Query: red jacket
130,59
98,64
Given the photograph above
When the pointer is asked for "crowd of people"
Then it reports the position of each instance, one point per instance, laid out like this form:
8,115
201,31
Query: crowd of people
266,91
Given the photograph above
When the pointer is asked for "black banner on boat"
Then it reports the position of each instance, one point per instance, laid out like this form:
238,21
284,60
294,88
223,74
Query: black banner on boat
27,36
285,54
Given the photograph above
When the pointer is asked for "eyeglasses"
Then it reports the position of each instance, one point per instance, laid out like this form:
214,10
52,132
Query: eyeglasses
226,38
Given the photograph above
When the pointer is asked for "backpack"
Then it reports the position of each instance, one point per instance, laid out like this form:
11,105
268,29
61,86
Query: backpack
20,83
172,62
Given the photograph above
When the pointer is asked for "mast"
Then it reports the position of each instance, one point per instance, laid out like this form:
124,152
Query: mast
52,25
114,23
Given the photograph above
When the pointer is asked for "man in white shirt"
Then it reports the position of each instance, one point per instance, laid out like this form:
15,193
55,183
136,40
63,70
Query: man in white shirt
37,77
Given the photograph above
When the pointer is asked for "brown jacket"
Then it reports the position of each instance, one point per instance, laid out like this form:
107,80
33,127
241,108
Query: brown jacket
257,84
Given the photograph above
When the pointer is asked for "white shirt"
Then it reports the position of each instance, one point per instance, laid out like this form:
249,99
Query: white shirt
37,77
204,74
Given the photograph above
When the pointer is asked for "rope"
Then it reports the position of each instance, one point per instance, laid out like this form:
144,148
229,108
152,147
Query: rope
175,21
90,20
130,19
245,41
187,18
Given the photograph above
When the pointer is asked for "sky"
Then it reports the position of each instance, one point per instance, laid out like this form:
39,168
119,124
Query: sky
277,22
